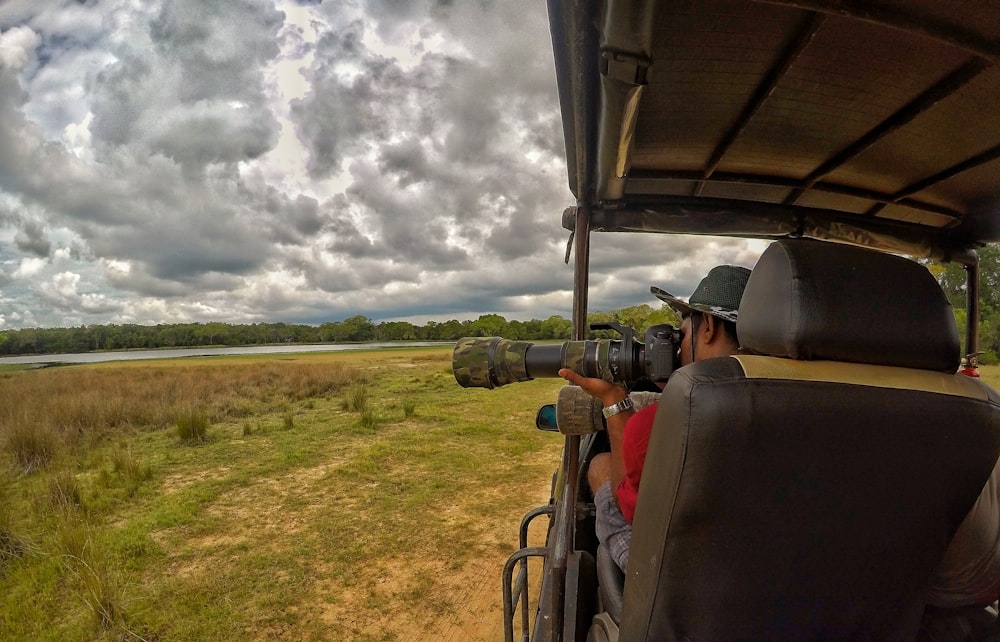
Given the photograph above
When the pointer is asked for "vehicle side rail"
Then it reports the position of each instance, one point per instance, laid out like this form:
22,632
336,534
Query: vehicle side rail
515,592
509,597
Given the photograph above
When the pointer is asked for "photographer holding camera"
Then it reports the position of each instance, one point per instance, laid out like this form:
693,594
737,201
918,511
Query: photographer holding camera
708,330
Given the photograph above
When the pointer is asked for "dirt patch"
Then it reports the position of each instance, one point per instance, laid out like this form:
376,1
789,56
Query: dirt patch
176,482
420,592
392,603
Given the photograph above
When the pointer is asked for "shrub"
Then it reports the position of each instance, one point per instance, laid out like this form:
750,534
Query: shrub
192,425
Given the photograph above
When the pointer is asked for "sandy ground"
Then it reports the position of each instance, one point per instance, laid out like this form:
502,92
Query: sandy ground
471,599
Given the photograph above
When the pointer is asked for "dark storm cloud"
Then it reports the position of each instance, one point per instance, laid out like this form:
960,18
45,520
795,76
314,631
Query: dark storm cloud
350,242
295,219
218,47
148,285
623,266
197,95
406,162
410,224
204,235
357,277
33,239
31,236
203,135
345,107
452,187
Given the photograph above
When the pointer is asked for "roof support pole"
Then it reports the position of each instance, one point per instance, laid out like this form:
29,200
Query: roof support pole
561,541
972,306
581,271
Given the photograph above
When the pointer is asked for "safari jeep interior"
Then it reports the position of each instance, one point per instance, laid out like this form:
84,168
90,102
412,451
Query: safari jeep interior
806,488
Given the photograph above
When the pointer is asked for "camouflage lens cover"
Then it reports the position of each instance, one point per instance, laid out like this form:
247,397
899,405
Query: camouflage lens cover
489,362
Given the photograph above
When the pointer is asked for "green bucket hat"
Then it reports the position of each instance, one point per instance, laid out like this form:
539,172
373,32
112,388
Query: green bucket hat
718,294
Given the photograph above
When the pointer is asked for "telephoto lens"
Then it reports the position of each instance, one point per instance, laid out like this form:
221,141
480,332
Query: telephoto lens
490,362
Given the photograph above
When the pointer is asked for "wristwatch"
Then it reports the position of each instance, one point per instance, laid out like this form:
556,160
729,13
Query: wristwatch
621,406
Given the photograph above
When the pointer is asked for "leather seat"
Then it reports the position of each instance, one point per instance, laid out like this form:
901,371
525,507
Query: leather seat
807,488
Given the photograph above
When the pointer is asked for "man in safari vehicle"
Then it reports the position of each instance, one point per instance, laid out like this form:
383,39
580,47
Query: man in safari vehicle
708,329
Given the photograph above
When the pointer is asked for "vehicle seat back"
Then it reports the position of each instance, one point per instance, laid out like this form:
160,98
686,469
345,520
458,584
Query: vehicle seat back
810,495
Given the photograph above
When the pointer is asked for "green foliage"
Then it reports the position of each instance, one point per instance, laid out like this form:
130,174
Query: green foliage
952,278
488,325
192,425
355,329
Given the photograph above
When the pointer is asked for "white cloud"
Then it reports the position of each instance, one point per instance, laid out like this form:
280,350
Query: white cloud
17,46
65,284
29,267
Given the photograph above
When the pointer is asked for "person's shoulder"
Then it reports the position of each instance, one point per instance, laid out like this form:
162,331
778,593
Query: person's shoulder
646,413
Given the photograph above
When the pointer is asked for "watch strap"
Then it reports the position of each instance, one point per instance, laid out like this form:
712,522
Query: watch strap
617,408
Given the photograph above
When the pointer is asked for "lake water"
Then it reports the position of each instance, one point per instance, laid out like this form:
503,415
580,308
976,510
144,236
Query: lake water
130,355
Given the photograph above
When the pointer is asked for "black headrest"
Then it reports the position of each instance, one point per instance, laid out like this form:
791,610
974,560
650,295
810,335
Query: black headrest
815,300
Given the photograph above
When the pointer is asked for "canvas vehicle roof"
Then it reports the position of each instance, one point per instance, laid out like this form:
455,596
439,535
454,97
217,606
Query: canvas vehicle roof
875,123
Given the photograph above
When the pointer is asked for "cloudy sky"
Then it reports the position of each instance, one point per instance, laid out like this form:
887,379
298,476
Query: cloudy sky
280,160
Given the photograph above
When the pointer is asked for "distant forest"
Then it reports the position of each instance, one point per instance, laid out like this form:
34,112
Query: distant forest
356,329
361,329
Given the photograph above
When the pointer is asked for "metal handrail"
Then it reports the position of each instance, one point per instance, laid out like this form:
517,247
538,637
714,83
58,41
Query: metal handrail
509,598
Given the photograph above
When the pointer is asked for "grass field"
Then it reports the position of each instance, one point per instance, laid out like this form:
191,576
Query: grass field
334,496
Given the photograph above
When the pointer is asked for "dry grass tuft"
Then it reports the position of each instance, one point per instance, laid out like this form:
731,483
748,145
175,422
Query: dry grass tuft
43,413
101,590
192,425
357,397
64,491
31,445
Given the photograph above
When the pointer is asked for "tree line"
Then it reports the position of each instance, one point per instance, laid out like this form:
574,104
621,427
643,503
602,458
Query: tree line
361,329
355,329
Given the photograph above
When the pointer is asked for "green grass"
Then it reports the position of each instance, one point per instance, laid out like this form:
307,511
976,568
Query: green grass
339,496
990,375
192,425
